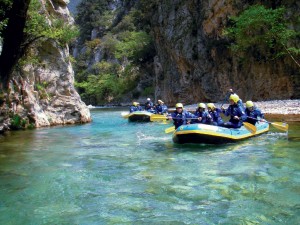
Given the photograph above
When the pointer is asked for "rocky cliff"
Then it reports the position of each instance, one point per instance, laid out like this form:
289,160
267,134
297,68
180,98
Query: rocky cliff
43,93
195,64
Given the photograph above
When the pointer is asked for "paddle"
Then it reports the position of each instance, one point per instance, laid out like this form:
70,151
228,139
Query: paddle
250,127
278,125
125,115
170,129
226,98
157,117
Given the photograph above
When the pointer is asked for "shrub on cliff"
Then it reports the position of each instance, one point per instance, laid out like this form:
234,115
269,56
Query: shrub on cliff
264,31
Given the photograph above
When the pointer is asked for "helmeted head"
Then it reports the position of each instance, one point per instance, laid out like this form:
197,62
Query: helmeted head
135,103
179,105
160,102
211,106
148,99
235,98
249,104
201,106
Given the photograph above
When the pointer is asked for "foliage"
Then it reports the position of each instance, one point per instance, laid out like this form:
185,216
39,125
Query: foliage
109,43
148,91
93,43
17,122
105,20
5,6
62,32
125,44
37,26
89,15
263,29
136,46
41,88
125,25
108,84
105,67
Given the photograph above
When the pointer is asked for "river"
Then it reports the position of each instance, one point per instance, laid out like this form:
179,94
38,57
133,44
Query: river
111,171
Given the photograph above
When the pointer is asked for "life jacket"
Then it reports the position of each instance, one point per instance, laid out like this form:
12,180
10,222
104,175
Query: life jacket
203,115
235,110
161,109
135,108
181,118
148,105
254,114
216,116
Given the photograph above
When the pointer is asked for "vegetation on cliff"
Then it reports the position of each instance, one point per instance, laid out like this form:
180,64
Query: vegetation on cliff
112,59
23,23
263,31
24,27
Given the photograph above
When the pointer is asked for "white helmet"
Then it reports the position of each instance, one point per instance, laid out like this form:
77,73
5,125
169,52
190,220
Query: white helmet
148,99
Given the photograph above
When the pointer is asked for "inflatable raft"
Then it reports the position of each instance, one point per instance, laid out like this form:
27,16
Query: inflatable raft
208,134
139,116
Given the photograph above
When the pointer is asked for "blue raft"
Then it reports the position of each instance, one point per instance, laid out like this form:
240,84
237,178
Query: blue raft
208,134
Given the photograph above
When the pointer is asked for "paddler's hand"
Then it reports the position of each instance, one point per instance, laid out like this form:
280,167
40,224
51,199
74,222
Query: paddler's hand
236,118
199,118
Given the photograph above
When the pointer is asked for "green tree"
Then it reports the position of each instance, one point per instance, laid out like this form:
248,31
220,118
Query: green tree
89,15
264,30
135,46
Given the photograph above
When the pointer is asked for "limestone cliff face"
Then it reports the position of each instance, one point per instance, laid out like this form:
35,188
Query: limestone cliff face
43,93
194,64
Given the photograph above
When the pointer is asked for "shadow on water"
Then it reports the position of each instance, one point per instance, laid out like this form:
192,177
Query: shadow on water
168,147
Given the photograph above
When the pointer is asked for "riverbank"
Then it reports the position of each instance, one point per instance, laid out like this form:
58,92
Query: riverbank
286,110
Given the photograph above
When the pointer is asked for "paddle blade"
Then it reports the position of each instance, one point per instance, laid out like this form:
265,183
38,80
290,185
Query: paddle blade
280,126
170,129
125,115
156,117
250,127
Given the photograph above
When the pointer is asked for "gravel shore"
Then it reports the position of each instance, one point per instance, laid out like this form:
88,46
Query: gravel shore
287,110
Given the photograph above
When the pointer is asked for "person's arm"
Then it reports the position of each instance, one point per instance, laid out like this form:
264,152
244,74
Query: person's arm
242,114
226,112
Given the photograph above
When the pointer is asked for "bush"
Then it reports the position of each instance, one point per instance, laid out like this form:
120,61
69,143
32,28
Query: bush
17,122
136,46
263,30
37,26
93,43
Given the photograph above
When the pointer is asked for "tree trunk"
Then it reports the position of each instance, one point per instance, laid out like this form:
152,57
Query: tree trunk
13,37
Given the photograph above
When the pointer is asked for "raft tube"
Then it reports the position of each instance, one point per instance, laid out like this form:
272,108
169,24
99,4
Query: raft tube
139,116
208,134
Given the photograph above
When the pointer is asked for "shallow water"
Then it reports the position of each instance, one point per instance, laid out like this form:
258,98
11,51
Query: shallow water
114,172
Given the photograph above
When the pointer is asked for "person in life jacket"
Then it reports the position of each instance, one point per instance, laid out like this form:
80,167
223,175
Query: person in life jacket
214,115
201,114
236,113
253,113
180,116
161,108
149,105
240,101
135,107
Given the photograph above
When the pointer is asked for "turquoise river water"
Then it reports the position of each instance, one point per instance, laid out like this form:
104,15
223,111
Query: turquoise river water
111,171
